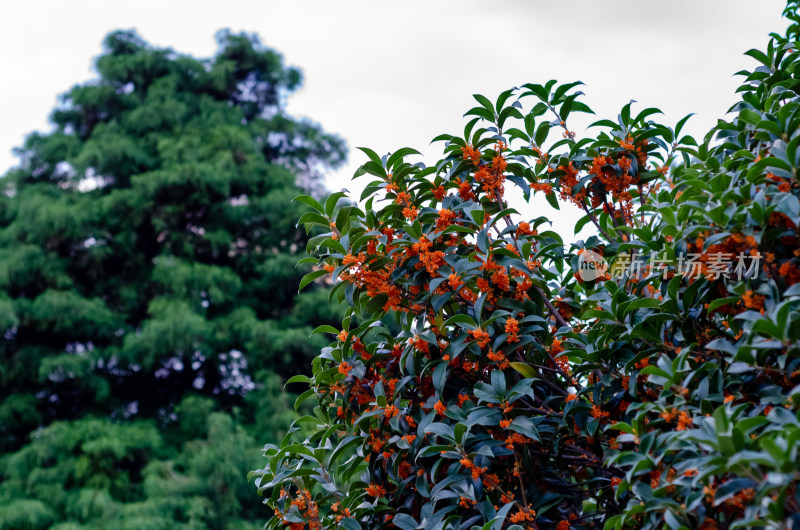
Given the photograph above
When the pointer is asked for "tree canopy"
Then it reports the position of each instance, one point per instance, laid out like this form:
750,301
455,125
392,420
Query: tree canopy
148,289
490,377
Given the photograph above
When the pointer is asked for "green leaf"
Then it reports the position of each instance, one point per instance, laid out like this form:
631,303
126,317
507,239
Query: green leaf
484,101
310,277
348,523
399,154
311,201
371,154
299,379
404,521
525,369
332,201
325,328
525,427
461,319
313,218
732,487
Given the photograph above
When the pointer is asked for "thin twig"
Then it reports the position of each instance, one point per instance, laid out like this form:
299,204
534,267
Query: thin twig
594,220
553,311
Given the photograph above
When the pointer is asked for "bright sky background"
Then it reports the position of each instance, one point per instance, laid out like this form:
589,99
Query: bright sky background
388,74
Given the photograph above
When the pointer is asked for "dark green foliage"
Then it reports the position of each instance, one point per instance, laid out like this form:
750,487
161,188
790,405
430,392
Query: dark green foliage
148,289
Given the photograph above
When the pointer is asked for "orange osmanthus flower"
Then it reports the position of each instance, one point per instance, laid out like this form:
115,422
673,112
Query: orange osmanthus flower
376,490
512,328
481,336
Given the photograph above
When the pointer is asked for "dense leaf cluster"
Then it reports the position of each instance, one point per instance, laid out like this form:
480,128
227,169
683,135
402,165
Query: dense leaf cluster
482,381
147,277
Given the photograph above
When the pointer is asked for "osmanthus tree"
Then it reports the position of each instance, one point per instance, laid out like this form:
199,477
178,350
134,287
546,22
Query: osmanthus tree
485,380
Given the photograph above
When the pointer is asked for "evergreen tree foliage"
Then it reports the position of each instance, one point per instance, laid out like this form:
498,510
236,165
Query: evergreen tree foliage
148,289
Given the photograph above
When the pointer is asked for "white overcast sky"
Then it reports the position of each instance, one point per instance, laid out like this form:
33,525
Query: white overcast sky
392,74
